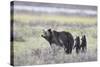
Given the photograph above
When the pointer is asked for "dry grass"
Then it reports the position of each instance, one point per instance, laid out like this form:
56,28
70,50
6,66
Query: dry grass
52,56
31,49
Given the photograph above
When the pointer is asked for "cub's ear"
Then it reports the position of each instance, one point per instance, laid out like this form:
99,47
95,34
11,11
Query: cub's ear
49,30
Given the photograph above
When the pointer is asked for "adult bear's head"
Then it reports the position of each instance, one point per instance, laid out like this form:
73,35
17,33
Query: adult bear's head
47,35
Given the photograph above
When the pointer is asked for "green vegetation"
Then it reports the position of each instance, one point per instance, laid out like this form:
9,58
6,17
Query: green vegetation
60,19
36,50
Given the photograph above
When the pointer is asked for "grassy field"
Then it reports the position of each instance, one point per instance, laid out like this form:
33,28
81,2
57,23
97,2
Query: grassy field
30,48
26,18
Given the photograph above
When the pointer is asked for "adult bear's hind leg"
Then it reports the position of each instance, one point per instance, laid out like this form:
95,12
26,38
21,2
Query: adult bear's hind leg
67,50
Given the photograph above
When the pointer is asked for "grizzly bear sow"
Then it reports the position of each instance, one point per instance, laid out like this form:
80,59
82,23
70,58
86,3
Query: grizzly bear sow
63,39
